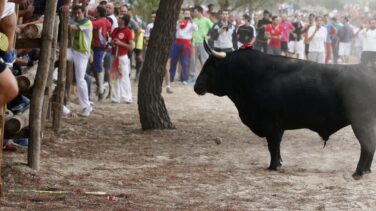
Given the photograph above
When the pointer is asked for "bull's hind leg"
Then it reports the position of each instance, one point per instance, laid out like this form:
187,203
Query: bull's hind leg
274,143
366,135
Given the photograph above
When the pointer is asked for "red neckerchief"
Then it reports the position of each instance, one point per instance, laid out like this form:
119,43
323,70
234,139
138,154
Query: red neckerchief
183,24
246,46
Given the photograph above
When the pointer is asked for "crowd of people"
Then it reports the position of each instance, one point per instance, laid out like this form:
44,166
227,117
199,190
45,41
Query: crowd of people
110,38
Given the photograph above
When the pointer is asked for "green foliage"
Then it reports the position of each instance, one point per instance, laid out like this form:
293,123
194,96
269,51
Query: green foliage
143,8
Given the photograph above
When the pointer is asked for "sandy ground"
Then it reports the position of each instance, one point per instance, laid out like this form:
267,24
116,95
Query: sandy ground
210,162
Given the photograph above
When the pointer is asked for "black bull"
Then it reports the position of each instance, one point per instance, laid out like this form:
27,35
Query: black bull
274,94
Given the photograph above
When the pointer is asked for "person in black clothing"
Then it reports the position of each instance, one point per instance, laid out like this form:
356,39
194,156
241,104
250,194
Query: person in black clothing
296,44
261,41
246,33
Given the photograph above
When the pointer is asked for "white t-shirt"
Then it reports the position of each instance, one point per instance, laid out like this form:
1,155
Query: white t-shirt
149,27
317,43
368,38
187,32
114,22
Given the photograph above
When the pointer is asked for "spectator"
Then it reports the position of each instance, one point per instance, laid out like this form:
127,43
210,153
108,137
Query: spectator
311,22
286,28
328,42
296,44
273,33
79,54
8,85
101,27
368,36
122,41
261,40
199,53
317,35
335,40
345,35
110,8
138,40
181,47
246,33
222,33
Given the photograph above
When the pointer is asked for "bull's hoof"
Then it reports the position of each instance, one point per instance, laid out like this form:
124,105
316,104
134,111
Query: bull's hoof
274,167
358,175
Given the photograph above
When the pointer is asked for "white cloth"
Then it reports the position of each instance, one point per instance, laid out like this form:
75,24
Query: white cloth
121,90
80,61
297,47
344,49
9,9
148,29
317,57
317,43
368,38
114,22
187,32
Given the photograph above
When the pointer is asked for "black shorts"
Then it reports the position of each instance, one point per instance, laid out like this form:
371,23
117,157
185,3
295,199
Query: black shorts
284,47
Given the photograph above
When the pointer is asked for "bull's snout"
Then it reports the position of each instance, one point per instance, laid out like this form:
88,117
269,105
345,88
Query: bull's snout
199,89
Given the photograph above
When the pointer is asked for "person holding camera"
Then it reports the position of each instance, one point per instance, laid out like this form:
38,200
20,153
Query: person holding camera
223,33
317,35
182,46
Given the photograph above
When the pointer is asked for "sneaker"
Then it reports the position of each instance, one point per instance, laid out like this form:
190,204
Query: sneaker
127,102
184,83
86,111
168,90
22,142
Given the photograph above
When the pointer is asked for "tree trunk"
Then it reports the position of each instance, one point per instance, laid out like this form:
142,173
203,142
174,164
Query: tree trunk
151,106
50,86
59,101
2,121
40,85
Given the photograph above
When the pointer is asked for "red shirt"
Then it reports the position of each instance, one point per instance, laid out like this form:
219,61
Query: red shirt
101,27
123,35
274,31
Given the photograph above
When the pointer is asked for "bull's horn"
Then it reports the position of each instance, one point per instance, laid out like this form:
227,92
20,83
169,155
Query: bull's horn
220,55
207,48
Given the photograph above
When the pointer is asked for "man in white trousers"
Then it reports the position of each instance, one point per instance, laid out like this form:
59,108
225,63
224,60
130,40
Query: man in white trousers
122,41
79,54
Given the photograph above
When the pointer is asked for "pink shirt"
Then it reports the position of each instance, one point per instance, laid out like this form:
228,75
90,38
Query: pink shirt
285,26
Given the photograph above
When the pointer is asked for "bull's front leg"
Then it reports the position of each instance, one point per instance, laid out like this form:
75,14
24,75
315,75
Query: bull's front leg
274,142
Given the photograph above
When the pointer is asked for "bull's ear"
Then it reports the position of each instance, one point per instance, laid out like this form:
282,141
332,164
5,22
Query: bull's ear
219,55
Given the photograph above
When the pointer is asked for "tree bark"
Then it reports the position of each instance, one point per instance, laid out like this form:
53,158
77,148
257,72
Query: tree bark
57,107
40,85
50,86
26,81
16,123
151,106
2,121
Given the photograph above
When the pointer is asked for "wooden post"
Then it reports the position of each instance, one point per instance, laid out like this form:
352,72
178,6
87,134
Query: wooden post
40,85
57,107
2,121
49,88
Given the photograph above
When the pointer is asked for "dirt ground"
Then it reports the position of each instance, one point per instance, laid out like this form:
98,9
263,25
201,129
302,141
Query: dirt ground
210,162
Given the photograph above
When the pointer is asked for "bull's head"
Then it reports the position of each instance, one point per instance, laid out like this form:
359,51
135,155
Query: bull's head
210,78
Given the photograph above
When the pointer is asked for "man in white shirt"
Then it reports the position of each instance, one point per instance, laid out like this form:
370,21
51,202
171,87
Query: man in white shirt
368,37
316,36
223,33
182,46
